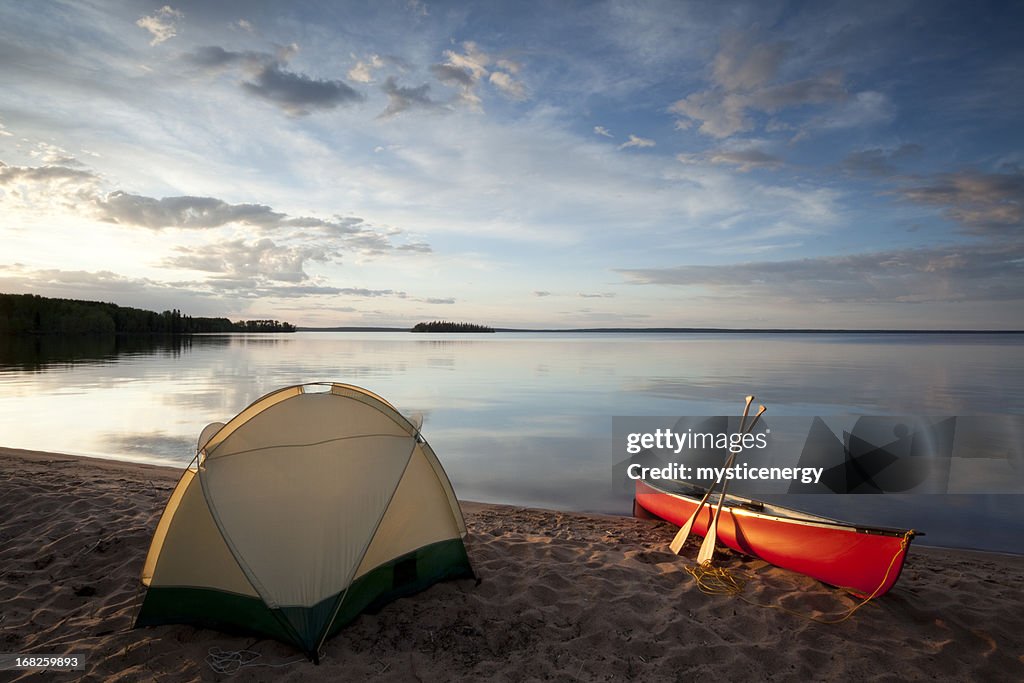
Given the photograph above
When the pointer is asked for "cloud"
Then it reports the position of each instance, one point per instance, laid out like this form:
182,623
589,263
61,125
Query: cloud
722,114
80,190
541,293
743,79
52,155
245,25
635,141
162,24
939,274
567,179
879,161
744,159
44,191
824,88
508,65
466,70
741,65
415,247
259,289
473,59
372,242
362,72
601,130
47,175
235,259
370,293
214,58
297,94
401,98
432,300
865,108
87,280
512,88
192,213
452,75
182,212
986,204
197,297
597,295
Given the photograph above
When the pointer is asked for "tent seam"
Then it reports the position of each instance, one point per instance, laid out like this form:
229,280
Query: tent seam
348,582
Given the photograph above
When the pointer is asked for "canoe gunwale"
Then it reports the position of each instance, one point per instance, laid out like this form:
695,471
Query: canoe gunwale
749,507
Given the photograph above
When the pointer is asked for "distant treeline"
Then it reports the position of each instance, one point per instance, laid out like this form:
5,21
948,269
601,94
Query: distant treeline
445,326
32,314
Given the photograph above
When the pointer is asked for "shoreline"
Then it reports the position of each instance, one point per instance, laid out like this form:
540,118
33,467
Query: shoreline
174,470
566,596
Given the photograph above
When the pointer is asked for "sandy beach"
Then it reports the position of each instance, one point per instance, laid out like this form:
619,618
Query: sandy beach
562,596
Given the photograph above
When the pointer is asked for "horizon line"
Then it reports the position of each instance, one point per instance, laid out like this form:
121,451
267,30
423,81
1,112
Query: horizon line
655,330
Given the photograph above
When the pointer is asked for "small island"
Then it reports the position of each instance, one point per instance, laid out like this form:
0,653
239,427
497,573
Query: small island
446,326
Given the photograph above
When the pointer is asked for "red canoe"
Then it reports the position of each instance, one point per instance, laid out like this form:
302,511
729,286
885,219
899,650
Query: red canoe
865,560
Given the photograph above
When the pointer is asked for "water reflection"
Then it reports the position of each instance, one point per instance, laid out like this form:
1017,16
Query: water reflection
40,352
147,444
891,373
515,418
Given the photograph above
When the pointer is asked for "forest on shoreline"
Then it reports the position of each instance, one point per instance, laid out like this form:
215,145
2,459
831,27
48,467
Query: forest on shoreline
30,314
446,326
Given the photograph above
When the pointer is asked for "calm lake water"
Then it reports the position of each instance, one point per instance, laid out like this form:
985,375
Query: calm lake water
525,418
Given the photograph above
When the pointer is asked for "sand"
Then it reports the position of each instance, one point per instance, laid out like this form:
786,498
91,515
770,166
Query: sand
563,597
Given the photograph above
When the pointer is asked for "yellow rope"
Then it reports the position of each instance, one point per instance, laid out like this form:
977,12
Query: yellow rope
713,580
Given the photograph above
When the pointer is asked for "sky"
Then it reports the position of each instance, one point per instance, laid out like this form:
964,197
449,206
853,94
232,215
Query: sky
522,164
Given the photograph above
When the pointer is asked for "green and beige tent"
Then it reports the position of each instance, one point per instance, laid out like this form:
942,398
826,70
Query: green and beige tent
312,505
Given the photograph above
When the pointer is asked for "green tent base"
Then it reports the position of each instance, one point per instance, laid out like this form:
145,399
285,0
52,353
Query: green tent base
402,576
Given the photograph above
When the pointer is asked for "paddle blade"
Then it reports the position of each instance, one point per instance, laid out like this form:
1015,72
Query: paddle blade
707,548
684,532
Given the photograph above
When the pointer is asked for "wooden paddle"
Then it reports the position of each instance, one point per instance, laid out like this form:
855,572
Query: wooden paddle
707,548
684,531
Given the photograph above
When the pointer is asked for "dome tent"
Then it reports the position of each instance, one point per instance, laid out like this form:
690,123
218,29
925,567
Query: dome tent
304,510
